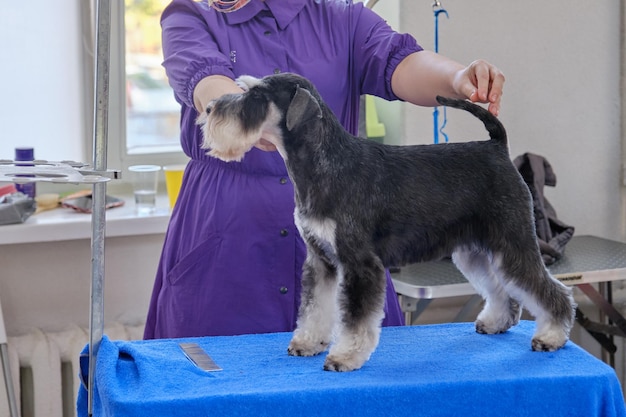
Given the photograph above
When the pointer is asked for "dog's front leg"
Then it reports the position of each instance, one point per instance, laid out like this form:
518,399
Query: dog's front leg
361,301
318,307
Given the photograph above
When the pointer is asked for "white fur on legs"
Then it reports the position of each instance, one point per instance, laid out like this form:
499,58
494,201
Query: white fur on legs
316,318
550,335
354,347
500,312
315,328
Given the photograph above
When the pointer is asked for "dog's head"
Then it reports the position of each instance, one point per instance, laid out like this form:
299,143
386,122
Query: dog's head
270,108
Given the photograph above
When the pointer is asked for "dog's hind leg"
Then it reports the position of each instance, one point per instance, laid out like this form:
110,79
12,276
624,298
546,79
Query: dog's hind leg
546,298
361,303
500,311
318,307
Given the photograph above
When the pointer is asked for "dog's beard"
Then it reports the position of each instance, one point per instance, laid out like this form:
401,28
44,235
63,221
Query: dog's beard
225,139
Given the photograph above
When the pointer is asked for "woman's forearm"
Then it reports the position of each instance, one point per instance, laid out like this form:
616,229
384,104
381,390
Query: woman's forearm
423,75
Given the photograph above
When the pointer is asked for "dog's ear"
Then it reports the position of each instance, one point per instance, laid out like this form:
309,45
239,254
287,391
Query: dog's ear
303,107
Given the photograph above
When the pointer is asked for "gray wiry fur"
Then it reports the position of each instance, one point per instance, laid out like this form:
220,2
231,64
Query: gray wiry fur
362,206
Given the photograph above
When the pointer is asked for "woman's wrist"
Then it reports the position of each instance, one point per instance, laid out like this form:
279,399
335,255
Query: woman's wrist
212,87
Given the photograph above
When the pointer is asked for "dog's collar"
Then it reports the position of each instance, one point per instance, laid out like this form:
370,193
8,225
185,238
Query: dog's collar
227,6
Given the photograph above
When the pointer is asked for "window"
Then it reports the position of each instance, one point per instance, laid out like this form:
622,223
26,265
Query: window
152,114
47,99
143,116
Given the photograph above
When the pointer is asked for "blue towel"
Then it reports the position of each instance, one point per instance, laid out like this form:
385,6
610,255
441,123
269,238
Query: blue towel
430,370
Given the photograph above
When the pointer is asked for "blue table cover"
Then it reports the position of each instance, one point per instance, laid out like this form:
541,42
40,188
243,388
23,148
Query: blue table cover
428,370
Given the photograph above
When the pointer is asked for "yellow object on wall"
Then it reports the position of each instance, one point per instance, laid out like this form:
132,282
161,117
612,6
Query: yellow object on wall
373,128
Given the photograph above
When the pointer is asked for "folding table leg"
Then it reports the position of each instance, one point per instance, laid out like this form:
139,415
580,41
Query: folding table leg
412,307
597,331
468,308
618,327
605,306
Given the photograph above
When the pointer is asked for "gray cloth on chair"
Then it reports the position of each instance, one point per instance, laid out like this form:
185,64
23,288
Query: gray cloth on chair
552,233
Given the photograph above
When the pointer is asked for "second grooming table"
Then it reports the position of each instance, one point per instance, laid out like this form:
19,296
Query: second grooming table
587,260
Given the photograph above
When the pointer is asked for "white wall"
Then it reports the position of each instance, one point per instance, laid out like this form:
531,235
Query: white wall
562,61
46,285
42,79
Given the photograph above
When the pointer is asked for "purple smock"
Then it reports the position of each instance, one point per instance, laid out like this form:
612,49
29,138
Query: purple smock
232,257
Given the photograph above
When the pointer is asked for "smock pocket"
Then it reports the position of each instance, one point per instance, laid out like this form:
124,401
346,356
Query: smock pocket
200,262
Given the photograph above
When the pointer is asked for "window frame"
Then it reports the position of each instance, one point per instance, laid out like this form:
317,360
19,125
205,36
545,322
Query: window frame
117,156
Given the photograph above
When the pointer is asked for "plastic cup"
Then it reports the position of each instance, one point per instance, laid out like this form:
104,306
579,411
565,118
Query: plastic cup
145,179
173,181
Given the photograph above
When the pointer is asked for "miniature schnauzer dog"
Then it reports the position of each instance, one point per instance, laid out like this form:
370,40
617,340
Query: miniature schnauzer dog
362,206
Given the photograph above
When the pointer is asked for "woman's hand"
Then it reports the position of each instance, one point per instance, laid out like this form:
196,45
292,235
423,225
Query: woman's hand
265,145
422,76
480,82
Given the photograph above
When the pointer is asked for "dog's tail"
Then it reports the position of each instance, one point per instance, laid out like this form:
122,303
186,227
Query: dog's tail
492,124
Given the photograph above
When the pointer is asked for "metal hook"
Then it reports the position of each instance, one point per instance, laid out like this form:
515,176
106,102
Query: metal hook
438,9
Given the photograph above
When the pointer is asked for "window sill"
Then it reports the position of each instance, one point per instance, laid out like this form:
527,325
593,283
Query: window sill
66,224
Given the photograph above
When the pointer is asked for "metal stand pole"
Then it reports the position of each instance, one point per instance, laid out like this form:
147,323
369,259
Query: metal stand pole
98,219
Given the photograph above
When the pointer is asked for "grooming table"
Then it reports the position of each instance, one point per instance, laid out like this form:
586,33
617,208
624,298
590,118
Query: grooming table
430,370
587,260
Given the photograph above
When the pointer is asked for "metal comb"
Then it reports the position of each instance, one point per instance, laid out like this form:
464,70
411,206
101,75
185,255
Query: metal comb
199,357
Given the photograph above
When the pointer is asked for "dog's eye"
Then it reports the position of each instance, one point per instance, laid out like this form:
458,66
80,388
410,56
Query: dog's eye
209,107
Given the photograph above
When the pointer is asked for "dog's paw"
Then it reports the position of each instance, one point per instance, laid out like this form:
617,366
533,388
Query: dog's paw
342,364
499,321
484,327
549,342
300,347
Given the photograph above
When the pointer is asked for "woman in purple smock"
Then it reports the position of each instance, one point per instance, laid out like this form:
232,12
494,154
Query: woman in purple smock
232,257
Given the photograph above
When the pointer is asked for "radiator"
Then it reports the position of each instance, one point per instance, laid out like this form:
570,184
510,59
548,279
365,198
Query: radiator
44,367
